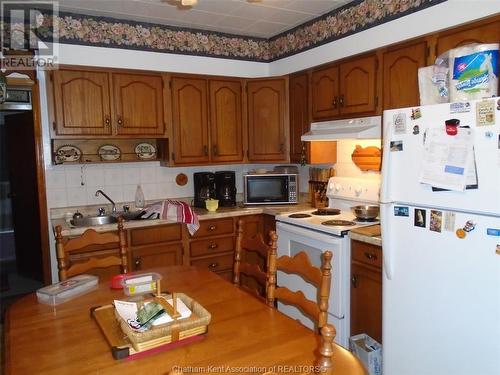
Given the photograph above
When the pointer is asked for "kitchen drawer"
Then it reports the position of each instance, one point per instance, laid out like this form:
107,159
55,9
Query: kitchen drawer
366,253
216,264
211,246
157,234
215,227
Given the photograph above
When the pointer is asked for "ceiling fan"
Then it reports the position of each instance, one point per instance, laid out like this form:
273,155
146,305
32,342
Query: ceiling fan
188,4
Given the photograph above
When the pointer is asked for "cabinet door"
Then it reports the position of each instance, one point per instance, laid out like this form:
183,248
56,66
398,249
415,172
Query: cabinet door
138,102
266,120
366,301
190,120
485,33
225,121
357,85
400,82
325,93
299,114
156,256
82,103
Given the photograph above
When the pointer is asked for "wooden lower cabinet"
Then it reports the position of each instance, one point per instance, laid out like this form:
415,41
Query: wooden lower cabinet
366,289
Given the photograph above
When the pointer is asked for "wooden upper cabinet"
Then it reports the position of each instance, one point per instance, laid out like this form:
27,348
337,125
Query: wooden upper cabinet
226,129
299,114
190,120
138,102
485,32
325,93
81,102
400,82
357,85
267,120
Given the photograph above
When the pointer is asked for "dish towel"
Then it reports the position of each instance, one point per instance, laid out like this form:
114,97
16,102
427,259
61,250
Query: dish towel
177,211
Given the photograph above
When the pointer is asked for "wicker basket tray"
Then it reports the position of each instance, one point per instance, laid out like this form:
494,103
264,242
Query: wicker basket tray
173,331
162,336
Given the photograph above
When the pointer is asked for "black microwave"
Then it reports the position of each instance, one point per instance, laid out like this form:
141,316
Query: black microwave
270,188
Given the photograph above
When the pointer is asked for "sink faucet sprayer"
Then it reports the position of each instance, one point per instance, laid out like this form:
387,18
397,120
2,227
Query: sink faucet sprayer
113,209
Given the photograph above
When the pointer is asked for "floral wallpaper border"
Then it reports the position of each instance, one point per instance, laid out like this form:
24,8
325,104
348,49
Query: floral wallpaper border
352,18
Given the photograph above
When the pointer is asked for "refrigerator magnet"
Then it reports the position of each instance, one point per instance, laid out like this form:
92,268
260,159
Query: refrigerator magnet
461,233
396,146
436,220
449,221
485,113
493,232
498,105
401,211
459,107
416,130
399,123
419,219
415,113
469,226
498,249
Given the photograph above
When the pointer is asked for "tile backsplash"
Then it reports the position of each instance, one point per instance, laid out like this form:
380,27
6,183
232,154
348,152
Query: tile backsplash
75,185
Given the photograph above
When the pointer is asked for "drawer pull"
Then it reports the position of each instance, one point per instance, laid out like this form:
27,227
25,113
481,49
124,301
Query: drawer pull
371,256
354,281
213,246
137,262
212,227
213,265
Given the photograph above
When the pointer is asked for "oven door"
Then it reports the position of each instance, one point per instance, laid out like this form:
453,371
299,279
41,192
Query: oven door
292,240
265,189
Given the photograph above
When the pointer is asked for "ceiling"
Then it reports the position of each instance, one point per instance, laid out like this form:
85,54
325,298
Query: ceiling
263,19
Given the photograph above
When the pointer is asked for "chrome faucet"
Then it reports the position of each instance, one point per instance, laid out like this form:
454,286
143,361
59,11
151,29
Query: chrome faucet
113,209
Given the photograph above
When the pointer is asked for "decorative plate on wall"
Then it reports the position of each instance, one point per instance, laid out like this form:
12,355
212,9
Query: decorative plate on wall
68,153
109,152
145,151
368,158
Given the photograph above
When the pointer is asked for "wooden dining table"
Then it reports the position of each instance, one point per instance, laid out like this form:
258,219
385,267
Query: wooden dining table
244,335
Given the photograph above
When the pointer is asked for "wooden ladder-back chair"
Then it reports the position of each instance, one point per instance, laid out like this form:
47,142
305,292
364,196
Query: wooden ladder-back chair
250,248
65,247
301,265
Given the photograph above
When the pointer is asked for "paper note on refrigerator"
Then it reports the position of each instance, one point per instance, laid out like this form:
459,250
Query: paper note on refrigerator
447,159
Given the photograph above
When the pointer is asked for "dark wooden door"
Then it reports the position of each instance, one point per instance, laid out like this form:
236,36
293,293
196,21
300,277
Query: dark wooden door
138,100
325,93
484,33
82,103
400,82
160,255
226,129
266,120
299,114
24,193
357,85
190,120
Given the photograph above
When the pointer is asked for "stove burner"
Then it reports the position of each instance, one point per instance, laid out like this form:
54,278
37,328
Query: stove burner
362,220
299,216
326,211
338,223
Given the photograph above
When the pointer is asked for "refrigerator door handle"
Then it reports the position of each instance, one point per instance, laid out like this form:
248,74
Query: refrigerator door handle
387,248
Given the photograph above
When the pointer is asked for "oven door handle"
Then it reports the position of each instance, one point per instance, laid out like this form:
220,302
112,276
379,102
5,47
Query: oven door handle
303,232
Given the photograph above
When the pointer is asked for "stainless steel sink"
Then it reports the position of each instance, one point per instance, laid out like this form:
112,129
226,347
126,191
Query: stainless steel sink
90,221
128,215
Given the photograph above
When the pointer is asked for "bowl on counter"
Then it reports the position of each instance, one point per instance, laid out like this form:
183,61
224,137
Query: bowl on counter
365,212
212,205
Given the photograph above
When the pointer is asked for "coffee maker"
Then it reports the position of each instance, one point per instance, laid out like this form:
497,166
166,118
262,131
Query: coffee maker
204,188
225,185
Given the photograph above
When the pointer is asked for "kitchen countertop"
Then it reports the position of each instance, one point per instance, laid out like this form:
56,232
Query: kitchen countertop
222,212
369,234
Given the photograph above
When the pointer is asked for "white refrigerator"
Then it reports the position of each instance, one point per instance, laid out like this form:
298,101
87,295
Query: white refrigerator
441,246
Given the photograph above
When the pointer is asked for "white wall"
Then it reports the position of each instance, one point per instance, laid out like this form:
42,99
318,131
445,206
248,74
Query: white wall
438,17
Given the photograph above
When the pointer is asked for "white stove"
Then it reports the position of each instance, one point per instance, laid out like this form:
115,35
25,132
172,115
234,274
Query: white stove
314,234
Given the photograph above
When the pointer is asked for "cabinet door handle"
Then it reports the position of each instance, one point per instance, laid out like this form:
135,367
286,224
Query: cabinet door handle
282,147
354,281
341,100
214,149
213,246
371,256
120,121
205,150
334,102
137,262
107,121
213,265
54,125
212,227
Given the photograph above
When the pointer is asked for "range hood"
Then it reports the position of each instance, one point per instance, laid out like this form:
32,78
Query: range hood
358,128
